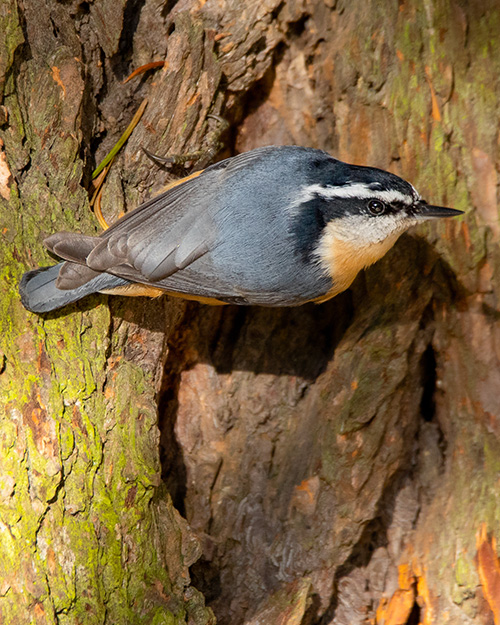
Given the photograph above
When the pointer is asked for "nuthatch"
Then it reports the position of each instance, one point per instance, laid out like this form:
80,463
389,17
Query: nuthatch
277,226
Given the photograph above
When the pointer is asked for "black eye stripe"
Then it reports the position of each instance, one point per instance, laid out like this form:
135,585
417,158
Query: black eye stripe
390,207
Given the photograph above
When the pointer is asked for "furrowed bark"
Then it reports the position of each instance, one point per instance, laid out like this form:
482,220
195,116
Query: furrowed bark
337,464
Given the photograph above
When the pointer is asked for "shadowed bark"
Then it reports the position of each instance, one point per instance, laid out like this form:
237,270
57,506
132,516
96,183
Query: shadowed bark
332,464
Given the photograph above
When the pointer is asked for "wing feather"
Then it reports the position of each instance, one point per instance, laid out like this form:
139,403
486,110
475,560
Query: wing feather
163,235
157,243
71,246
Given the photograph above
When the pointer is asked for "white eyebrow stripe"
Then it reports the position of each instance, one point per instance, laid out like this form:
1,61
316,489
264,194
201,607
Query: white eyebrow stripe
417,194
360,191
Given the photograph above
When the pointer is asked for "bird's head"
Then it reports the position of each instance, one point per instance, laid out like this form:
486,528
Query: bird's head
357,214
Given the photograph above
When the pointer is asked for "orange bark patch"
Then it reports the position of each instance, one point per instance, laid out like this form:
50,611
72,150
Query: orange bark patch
424,593
412,587
436,115
39,611
51,560
192,100
488,567
77,421
43,363
305,495
56,75
397,610
220,36
35,416
5,175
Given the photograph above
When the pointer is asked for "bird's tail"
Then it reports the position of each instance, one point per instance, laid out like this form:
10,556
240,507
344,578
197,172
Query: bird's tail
39,293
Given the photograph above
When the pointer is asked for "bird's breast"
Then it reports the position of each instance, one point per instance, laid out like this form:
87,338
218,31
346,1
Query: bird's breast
343,257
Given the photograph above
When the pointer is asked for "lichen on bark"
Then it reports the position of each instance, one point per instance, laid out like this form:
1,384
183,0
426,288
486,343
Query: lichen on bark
335,462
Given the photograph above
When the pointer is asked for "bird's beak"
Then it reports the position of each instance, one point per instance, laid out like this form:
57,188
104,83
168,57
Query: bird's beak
426,211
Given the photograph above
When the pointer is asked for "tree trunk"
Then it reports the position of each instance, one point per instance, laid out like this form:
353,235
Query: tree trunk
336,464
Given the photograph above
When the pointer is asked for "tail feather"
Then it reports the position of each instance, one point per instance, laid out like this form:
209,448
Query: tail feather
39,293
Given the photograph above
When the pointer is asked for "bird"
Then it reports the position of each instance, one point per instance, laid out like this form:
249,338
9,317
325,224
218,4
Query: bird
275,226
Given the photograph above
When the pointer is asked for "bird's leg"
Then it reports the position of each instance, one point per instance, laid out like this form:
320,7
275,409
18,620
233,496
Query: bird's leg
201,157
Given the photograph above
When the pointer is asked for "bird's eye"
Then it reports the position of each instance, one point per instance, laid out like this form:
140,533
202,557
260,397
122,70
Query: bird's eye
376,207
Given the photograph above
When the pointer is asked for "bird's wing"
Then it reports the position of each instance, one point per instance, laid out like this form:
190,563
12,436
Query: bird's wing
160,237
164,235
171,231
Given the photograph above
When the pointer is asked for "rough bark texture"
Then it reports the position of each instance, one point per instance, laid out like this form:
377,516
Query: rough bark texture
336,464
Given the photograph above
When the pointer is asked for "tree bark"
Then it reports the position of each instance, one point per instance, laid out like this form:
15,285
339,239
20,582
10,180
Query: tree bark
335,464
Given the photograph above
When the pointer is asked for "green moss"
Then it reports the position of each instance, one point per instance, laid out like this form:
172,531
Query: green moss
160,618
491,457
78,476
464,570
12,38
